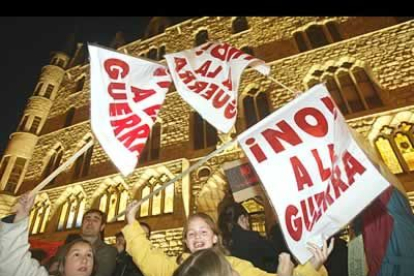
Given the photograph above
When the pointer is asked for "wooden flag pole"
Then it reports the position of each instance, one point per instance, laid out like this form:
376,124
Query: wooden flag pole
61,168
281,84
191,168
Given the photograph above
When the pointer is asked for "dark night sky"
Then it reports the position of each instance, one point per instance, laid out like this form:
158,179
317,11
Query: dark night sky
26,43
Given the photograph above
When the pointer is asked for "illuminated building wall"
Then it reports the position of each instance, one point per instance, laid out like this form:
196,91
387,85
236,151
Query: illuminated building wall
367,64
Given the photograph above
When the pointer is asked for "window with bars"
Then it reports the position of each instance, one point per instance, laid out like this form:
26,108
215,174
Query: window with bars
15,175
350,87
205,135
49,90
256,107
71,212
113,201
39,217
34,128
162,202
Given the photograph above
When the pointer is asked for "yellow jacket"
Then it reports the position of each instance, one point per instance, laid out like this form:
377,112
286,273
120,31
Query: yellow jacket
154,262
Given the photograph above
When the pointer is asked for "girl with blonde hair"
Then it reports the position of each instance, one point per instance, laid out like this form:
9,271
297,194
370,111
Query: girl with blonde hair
200,232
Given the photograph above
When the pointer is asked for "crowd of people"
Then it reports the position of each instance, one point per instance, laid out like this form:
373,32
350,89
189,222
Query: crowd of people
205,252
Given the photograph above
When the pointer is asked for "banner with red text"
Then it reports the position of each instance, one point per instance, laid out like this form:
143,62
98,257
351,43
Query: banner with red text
126,95
315,174
207,77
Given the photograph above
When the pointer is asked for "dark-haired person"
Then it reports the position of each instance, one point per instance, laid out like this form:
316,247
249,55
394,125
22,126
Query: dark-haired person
15,258
125,266
244,243
93,225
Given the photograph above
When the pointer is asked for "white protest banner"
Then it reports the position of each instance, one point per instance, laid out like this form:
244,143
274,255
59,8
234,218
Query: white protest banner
207,77
315,174
126,95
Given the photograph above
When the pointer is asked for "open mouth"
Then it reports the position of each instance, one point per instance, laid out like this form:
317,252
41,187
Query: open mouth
199,245
83,269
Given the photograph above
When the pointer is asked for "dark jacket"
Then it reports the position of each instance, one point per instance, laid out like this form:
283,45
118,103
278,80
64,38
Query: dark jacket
250,246
106,258
125,266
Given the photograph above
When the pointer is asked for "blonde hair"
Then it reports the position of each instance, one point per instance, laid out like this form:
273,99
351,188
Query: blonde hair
210,222
205,262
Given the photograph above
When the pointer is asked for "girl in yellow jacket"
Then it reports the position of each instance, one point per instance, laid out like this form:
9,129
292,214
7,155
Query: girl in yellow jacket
200,232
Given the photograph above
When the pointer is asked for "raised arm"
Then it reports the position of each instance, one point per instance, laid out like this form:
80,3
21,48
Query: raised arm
15,258
152,262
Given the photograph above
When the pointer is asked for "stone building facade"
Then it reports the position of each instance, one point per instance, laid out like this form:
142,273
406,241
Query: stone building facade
367,64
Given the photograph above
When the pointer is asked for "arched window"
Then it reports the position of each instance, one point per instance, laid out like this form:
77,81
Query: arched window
145,206
334,90
83,163
333,31
153,54
388,155
239,24
205,135
367,88
349,90
395,146
39,217
71,212
54,162
405,148
317,35
152,146
350,87
201,37
70,114
113,201
160,203
300,41
79,84
161,52
255,106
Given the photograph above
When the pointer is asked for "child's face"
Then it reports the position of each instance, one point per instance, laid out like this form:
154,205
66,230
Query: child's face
79,260
199,235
